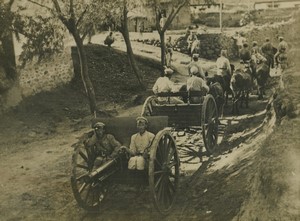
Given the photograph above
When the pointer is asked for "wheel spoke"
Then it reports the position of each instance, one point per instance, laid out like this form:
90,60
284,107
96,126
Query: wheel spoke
82,166
172,164
157,184
87,195
83,156
83,186
171,185
159,172
158,163
81,176
161,150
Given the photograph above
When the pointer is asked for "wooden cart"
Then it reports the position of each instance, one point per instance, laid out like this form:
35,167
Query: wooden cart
90,185
203,115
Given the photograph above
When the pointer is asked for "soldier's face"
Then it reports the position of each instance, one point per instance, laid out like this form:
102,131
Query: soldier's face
141,126
99,131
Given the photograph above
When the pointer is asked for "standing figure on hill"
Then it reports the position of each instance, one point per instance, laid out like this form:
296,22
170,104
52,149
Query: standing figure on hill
281,50
162,20
169,51
109,40
239,40
191,38
267,50
196,63
164,84
195,48
141,29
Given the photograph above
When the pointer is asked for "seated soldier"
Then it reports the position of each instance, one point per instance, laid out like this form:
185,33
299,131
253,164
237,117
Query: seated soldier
106,146
139,145
164,84
195,83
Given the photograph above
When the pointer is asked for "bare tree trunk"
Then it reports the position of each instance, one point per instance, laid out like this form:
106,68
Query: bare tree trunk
89,89
125,33
162,48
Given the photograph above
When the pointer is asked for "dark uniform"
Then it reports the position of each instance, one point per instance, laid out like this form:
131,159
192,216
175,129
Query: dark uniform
267,51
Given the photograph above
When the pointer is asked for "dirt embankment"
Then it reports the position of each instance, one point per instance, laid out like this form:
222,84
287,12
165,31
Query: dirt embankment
274,183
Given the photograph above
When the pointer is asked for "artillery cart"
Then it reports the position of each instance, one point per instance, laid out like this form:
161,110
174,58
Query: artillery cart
90,185
202,116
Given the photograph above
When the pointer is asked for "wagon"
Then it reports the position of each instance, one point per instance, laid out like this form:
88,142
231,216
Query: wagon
90,185
202,116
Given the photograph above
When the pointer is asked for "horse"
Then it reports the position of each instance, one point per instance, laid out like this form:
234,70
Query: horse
262,75
216,90
241,83
224,81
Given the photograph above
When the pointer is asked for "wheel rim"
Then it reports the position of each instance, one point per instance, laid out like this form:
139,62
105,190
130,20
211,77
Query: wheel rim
147,107
210,124
164,171
89,193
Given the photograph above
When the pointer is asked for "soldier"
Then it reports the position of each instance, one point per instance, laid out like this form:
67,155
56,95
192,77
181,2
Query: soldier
106,146
164,84
139,145
169,51
195,83
267,51
223,69
281,49
196,63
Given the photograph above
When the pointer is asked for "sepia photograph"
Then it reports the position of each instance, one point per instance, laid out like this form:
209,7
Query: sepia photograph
149,110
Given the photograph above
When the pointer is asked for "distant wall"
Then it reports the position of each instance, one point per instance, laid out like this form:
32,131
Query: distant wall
38,77
47,75
212,44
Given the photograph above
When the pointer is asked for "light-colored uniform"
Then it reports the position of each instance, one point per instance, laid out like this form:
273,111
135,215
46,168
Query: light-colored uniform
138,144
223,66
164,84
195,83
197,65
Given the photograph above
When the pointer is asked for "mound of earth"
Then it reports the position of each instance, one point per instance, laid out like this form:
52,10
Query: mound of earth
112,75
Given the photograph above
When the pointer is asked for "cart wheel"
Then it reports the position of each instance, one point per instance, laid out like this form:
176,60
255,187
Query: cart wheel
147,107
209,122
89,193
163,171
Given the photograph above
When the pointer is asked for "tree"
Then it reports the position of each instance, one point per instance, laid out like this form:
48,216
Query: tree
158,6
7,55
78,16
116,12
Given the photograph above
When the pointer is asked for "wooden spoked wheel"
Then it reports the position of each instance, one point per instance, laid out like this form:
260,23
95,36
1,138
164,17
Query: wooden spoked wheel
147,107
210,122
89,193
163,171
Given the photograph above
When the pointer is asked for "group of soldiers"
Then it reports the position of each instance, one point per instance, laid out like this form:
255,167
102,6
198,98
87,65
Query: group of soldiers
108,147
267,52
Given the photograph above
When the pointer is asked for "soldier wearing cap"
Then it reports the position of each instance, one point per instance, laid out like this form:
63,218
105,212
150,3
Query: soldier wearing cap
267,51
195,83
196,63
245,54
169,51
223,64
164,84
195,48
256,56
106,146
139,145
281,49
